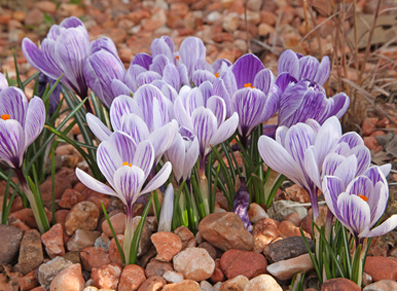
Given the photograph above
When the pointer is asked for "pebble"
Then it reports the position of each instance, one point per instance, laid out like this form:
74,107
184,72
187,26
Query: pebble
9,243
186,236
226,231
264,231
282,208
206,286
103,241
61,184
194,263
131,278
82,239
340,284
84,215
209,248
118,224
46,6
167,245
114,253
287,248
381,268
69,279
382,285
157,268
154,283
182,286
145,243
34,17
30,252
107,276
256,212
237,283
94,257
28,282
264,283
286,269
70,198
53,241
173,277
47,272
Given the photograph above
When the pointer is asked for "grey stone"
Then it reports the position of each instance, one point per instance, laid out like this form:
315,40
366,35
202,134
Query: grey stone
81,239
382,285
287,248
10,240
282,208
47,272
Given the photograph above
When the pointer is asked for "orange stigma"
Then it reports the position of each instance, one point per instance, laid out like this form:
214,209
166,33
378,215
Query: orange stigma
127,164
363,197
5,116
177,57
249,85
217,75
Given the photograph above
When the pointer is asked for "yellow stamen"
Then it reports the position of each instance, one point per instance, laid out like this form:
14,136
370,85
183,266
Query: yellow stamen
363,197
217,75
5,116
177,57
249,85
127,164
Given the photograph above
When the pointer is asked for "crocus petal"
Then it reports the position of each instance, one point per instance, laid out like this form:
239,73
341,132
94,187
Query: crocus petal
95,185
35,117
144,157
3,82
308,67
130,77
264,81
122,105
176,155
181,115
119,88
171,76
385,227
160,178
288,62
353,139
323,71
128,182
246,68
201,76
108,160
337,105
147,78
284,80
204,125
162,47
70,22
218,107
12,142
311,165
327,137
226,130
378,203
135,127
14,103
100,130
123,146
332,187
191,157
167,210
142,59
159,63
162,138
385,169
191,50
103,43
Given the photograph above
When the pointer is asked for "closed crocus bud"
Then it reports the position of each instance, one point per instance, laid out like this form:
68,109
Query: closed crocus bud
241,203
100,69
167,210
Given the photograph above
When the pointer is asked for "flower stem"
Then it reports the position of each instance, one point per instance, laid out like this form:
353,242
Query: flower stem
128,236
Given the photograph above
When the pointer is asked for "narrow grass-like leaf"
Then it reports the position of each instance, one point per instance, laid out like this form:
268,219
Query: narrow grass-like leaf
53,185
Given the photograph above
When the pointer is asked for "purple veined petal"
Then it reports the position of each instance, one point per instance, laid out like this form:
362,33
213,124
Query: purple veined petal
353,139
219,89
3,82
119,88
206,91
323,71
272,103
290,102
219,63
12,142
100,70
135,127
147,78
143,60
144,157
347,170
331,162
277,158
123,145
48,47
191,50
311,166
250,105
70,22
377,202
181,114
122,105
128,182
103,43
108,160
264,81
191,157
229,81
184,75
361,185
337,105
354,211
376,174
54,32
168,40
200,76
285,80
162,139
202,64
288,62
385,169
159,63
225,130
160,178
168,91
100,130
384,228
308,66
71,52
176,155
160,47
281,133
194,99
363,158
333,187
327,137
171,76
130,77
204,126
14,103
35,117
246,68
218,107
313,124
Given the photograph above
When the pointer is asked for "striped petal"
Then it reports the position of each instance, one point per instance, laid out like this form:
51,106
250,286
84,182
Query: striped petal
35,119
12,142
160,178
100,130
128,182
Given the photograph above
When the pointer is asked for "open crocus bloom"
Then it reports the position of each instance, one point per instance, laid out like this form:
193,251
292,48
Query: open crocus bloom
362,203
63,51
20,124
126,166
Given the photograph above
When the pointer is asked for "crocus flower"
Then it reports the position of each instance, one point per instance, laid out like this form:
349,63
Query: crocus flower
362,203
241,204
43,81
63,51
183,154
167,210
126,166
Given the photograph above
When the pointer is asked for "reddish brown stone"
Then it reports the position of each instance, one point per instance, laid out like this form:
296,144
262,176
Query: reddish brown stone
131,278
94,257
380,268
339,284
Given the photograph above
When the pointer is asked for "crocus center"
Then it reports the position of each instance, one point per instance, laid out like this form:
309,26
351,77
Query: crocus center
127,164
217,75
248,85
177,57
5,116
363,197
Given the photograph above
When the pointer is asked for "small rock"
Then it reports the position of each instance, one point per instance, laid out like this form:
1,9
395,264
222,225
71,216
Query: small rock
339,284
287,248
209,248
167,245
264,231
206,286
131,278
237,283
9,243
107,276
263,283
34,17
94,257
226,231
46,6
118,223
84,215
382,285
145,242
53,241
114,253
47,272
103,241
381,268
249,264
28,282
61,184
173,277
282,208
70,198
367,280
154,283
286,269
230,22
82,239
30,253
157,268
256,212
185,234
194,263
69,279
182,286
